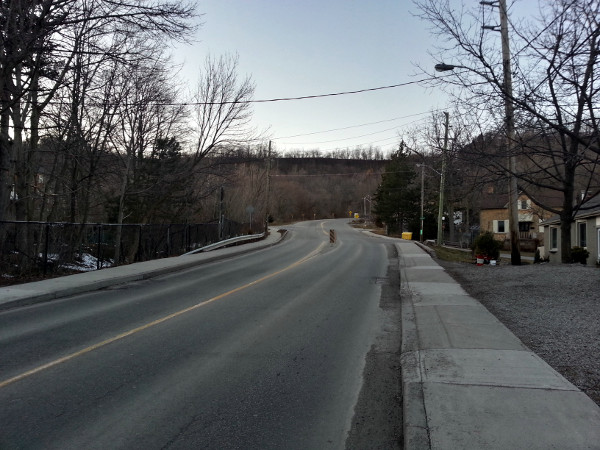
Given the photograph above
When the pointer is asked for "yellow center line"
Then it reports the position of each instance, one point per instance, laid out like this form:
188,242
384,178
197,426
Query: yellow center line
133,331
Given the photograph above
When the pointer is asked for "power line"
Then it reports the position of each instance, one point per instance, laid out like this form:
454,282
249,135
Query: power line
305,97
342,139
272,100
352,126
355,137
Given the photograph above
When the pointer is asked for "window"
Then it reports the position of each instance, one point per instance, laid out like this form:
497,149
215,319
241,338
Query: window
581,233
524,226
524,204
554,238
500,226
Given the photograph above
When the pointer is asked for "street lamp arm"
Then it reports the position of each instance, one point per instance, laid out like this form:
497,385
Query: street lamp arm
443,67
488,78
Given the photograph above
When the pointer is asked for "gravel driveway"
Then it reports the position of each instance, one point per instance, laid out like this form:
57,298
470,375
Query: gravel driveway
553,309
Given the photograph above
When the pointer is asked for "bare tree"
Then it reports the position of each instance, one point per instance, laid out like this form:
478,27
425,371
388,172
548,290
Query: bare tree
149,116
39,41
555,94
222,109
47,49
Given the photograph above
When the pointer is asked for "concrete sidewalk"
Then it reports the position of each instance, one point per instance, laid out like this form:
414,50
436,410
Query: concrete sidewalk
469,383
45,290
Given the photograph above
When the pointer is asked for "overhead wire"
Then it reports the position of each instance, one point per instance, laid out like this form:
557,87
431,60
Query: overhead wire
351,126
355,137
307,97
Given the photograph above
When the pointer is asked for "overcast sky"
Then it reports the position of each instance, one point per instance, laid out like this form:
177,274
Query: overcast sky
295,48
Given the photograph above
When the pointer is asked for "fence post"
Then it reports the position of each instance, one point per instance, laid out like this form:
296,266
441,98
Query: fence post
98,252
138,256
187,237
168,240
46,244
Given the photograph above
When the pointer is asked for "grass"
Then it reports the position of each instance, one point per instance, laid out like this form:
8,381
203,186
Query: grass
457,255
453,254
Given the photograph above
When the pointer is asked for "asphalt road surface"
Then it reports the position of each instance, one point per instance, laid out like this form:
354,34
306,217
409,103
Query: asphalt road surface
267,350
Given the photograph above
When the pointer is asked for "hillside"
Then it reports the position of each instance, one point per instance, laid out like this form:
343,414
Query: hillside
304,188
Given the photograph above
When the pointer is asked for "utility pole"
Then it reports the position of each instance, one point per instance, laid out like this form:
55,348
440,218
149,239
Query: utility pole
268,189
442,181
513,195
221,212
422,198
509,111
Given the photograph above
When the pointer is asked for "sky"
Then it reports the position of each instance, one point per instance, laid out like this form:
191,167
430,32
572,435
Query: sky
294,48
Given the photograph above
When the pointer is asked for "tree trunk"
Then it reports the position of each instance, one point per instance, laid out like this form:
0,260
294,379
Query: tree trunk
121,211
565,238
6,160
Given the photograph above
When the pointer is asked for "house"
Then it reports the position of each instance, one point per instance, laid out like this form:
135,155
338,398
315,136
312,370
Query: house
585,232
494,217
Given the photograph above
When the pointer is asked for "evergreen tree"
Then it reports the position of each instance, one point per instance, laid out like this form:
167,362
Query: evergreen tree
397,198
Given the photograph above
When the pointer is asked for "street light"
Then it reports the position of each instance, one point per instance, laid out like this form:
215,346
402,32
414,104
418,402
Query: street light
442,181
515,252
445,67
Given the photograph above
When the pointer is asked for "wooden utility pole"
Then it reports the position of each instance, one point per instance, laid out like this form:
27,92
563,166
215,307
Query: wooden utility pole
422,199
443,181
513,195
267,206
221,212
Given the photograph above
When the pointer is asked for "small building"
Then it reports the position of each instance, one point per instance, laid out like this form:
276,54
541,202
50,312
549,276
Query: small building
585,233
494,216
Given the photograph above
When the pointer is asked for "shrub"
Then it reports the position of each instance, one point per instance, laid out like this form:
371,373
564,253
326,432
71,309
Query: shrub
579,255
485,244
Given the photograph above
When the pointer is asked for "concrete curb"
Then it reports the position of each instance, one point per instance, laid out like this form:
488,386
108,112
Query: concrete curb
469,382
414,415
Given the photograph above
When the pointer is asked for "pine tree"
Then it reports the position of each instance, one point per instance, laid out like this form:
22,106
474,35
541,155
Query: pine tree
397,198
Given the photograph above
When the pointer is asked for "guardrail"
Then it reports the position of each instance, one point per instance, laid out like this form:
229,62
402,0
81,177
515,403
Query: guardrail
226,242
40,249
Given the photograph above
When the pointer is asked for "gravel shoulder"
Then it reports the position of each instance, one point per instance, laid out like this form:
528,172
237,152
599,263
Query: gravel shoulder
553,309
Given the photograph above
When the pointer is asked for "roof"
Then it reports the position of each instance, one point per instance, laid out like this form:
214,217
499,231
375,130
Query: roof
591,208
493,201
500,200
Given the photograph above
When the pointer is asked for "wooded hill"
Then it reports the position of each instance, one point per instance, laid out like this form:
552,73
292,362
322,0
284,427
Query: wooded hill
301,188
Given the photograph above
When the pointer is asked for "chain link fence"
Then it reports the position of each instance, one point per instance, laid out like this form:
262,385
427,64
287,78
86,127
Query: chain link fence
460,239
56,248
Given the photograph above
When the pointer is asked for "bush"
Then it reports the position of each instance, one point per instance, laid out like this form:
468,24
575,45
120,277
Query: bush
486,245
579,255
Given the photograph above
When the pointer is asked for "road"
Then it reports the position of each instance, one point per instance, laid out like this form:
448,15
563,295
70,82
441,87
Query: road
265,350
